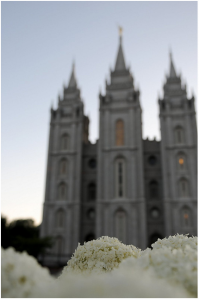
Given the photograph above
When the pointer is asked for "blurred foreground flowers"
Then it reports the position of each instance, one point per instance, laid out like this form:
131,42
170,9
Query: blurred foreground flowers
108,268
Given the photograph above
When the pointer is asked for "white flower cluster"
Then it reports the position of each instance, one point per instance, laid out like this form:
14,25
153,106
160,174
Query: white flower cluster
178,241
101,255
174,259
22,276
108,268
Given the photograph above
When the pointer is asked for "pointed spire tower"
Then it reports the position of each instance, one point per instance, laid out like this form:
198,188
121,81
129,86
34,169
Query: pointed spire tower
72,82
72,92
120,77
120,147
178,139
173,86
172,69
69,129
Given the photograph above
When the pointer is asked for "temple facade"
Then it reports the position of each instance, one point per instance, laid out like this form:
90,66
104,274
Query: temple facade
123,186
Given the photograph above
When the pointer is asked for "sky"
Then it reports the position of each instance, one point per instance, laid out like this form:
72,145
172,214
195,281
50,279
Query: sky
40,41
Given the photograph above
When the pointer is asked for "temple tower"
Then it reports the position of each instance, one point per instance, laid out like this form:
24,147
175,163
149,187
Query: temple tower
61,213
179,156
120,183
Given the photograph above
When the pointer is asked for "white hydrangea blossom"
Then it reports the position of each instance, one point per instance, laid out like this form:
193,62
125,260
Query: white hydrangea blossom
101,255
22,276
178,241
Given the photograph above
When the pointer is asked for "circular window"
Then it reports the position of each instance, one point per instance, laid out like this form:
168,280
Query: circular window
91,214
152,160
155,213
92,163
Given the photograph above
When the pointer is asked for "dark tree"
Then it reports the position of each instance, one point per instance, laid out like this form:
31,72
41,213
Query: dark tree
23,235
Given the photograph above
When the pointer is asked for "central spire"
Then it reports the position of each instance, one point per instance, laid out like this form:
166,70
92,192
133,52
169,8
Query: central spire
120,62
72,81
172,69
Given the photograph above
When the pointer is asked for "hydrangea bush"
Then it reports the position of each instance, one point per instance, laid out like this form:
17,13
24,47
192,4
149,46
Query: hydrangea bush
108,268
101,255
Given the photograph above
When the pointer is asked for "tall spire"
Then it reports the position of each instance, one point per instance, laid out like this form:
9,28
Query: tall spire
120,62
72,81
172,69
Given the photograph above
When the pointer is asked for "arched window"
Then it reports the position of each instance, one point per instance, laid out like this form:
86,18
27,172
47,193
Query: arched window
153,189
181,161
63,167
179,135
59,218
119,130
64,142
91,191
62,191
186,216
183,187
89,237
120,178
120,225
59,245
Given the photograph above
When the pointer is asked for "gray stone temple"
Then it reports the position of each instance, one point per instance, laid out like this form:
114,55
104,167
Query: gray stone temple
123,186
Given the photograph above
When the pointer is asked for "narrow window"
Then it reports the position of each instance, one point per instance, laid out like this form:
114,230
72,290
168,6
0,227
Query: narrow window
183,187
62,191
119,133
186,217
179,135
59,245
59,218
120,172
63,167
153,190
91,192
181,161
64,142
120,225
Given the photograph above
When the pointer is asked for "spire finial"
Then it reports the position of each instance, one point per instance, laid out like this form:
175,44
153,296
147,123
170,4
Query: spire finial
73,66
120,63
120,32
